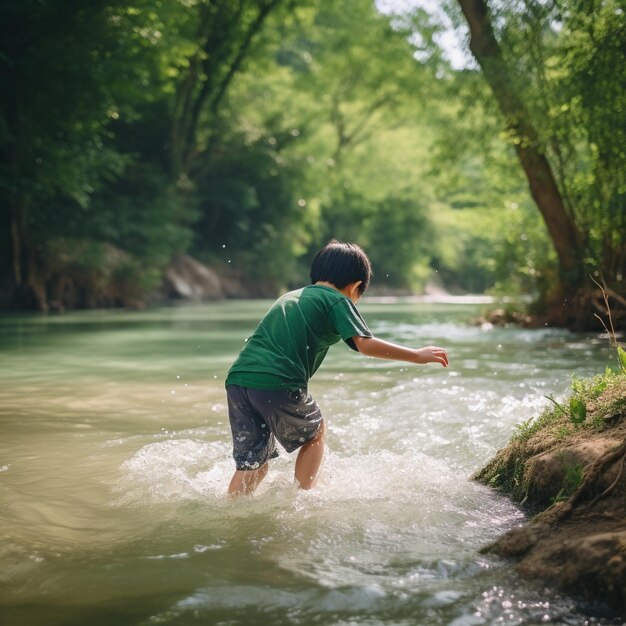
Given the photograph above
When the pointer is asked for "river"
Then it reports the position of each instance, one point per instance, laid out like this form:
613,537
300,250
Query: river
115,457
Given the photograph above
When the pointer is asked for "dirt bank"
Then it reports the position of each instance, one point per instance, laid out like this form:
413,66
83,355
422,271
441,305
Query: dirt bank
574,475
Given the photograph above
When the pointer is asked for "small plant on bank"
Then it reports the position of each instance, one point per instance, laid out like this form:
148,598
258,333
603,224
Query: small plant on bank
577,409
621,357
592,405
610,329
573,478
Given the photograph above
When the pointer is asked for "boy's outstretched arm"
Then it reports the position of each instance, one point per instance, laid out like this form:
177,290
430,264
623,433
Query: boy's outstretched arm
371,346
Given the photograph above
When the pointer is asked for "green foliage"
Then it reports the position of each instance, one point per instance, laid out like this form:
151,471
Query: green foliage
78,83
330,121
561,60
598,403
250,209
591,388
592,402
249,133
621,356
398,237
528,428
85,272
572,480
577,410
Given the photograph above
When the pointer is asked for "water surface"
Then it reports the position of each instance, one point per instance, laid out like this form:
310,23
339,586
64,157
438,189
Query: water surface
115,456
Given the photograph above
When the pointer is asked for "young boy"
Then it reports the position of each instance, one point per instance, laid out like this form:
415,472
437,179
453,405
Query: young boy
267,384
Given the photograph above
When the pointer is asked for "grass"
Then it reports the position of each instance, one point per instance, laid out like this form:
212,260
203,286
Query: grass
604,400
603,396
571,481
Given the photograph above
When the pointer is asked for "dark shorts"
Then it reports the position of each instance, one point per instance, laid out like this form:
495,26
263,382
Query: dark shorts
259,418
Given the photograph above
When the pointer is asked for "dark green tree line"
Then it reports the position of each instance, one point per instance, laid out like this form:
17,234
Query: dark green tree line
247,133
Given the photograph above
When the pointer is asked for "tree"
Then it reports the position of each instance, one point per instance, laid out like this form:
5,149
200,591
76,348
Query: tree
104,109
524,135
57,98
527,87
225,33
96,194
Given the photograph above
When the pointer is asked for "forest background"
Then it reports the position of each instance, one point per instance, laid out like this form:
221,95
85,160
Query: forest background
246,133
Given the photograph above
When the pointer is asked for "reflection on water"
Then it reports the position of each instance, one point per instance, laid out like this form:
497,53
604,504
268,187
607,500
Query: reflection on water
115,455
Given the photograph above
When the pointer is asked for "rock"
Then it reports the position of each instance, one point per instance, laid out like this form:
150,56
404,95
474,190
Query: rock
186,278
590,567
234,285
503,317
189,279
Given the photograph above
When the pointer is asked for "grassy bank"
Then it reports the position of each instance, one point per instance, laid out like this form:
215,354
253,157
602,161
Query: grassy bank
595,408
569,465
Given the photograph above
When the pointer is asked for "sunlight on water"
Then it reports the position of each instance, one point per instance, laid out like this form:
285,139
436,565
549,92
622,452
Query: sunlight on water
115,456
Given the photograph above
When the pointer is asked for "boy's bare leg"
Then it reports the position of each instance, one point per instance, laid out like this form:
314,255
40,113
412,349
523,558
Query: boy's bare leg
309,460
245,482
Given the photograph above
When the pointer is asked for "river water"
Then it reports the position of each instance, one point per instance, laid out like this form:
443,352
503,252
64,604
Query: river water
115,456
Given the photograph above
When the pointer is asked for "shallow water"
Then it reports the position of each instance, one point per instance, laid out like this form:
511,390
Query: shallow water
115,455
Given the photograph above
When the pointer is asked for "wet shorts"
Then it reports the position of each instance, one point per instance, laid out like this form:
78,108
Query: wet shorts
259,417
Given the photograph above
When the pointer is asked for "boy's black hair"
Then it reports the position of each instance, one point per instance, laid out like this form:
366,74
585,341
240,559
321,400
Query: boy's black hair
340,264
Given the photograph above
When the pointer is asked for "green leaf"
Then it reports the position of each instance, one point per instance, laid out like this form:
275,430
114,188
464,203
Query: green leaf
577,411
599,388
556,404
621,355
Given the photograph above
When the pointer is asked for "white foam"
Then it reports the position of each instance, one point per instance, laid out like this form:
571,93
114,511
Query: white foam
386,485
175,470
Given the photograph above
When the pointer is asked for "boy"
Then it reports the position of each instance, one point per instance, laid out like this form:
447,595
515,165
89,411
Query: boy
267,384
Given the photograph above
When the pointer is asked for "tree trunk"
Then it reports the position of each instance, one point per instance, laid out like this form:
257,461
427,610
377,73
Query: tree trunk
223,45
561,228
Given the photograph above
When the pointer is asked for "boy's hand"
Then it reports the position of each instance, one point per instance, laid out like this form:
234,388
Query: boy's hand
431,354
371,346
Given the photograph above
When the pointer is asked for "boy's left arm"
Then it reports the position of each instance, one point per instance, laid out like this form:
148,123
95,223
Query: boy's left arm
378,348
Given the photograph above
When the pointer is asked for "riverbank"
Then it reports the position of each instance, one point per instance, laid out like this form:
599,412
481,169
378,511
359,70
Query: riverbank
184,279
568,464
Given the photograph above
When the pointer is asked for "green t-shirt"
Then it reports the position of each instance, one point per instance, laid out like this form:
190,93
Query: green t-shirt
293,338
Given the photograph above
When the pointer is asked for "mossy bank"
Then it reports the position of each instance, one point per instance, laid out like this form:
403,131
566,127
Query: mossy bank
567,467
